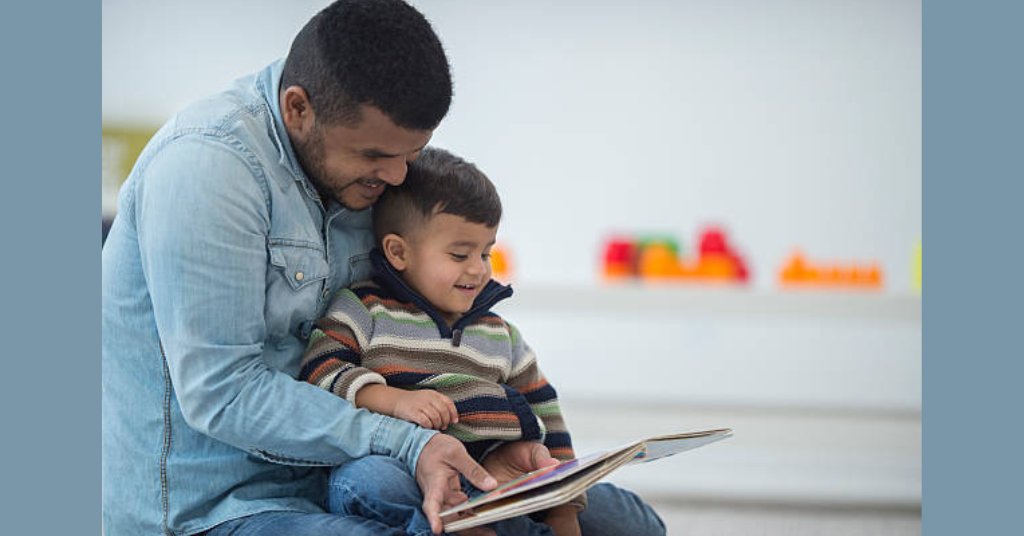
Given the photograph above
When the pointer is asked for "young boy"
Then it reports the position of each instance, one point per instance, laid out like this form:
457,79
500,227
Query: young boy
418,341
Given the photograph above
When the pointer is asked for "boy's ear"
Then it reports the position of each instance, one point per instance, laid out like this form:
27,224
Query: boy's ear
395,250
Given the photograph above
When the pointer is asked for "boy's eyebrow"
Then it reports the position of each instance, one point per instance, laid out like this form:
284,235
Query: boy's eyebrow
467,243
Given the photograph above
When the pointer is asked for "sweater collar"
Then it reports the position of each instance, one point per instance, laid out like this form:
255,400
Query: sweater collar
387,276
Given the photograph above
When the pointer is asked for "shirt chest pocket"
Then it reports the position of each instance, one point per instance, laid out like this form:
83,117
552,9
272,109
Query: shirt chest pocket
301,263
296,281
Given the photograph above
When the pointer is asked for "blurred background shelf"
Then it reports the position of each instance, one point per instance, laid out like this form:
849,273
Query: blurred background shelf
641,297
727,347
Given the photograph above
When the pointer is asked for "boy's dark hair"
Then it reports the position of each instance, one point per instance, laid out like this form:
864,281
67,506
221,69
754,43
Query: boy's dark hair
378,52
437,182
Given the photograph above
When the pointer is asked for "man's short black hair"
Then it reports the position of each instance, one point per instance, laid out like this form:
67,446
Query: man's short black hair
378,52
437,182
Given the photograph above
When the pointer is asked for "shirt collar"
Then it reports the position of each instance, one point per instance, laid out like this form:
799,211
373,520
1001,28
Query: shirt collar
385,275
268,82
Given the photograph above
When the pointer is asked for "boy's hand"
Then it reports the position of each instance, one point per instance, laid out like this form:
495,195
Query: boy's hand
426,408
513,460
562,519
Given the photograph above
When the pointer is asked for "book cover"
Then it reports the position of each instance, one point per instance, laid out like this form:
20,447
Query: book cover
551,486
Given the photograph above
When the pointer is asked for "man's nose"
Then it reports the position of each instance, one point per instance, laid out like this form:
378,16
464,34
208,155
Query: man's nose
392,170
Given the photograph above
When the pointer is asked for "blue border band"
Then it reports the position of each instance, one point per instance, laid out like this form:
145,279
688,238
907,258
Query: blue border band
51,327
973,320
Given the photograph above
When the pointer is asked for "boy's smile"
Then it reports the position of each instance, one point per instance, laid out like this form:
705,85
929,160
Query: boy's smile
447,261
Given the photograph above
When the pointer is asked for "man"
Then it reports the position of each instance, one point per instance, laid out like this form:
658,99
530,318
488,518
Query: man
240,218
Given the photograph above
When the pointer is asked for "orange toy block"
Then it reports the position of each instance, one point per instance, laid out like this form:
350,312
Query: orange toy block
798,271
501,267
657,261
716,266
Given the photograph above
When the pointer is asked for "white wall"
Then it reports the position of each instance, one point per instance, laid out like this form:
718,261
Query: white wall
791,122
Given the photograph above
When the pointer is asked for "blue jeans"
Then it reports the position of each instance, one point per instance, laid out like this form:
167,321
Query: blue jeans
376,495
379,488
302,524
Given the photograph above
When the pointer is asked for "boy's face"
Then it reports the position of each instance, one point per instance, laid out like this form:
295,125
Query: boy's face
449,261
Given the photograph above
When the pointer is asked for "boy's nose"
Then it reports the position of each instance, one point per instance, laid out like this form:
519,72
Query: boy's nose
479,267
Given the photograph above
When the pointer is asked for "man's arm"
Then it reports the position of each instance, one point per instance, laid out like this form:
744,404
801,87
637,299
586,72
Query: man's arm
203,241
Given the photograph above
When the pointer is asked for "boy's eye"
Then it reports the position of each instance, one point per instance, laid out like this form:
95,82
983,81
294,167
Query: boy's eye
459,256
486,256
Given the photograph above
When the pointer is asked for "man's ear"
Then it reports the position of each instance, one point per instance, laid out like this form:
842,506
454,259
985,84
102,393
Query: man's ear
297,112
396,250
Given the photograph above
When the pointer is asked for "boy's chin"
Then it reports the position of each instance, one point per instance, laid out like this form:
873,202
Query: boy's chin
455,314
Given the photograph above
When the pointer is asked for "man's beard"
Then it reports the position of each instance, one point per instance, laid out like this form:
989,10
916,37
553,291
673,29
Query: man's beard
311,156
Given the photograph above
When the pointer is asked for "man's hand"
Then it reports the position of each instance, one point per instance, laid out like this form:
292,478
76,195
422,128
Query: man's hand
427,408
513,460
441,461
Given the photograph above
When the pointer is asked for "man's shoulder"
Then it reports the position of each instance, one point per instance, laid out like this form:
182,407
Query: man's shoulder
238,116
226,141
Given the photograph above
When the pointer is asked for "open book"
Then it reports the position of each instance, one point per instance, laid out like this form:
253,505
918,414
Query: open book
552,486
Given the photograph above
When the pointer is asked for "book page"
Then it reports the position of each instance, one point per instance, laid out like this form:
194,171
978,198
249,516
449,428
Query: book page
663,447
535,479
538,498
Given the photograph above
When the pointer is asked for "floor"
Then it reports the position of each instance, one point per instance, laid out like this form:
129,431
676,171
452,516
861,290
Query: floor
785,472
755,520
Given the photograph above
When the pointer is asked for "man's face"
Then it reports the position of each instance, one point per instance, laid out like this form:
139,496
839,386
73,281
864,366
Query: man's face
448,262
353,164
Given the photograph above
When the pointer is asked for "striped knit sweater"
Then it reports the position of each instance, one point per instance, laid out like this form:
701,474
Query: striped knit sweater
381,331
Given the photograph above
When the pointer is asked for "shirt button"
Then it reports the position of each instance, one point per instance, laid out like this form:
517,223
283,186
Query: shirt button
299,276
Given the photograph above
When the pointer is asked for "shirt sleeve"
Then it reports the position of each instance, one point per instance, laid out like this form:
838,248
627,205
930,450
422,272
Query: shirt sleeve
202,212
527,378
333,360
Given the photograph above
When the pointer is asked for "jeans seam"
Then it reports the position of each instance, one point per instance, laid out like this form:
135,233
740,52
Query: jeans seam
375,437
363,504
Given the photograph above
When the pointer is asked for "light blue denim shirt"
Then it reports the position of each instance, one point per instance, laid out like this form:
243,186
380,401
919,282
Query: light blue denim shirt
219,261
